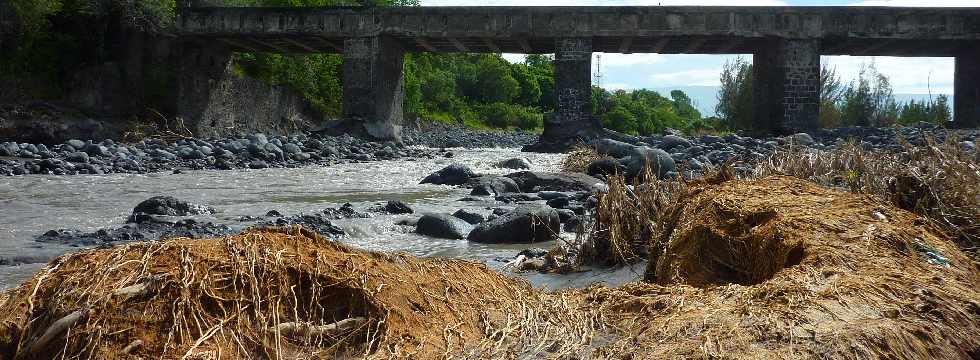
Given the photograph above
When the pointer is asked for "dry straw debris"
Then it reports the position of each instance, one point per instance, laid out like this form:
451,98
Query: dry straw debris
579,158
776,267
276,294
940,181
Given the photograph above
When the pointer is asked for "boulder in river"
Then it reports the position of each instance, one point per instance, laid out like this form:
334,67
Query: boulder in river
515,163
166,206
397,207
469,216
605,166
613,148
442,226
525,224
660,162
454,174
494,185
530,181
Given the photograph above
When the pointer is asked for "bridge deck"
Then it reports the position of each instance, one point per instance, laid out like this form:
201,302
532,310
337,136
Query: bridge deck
668,30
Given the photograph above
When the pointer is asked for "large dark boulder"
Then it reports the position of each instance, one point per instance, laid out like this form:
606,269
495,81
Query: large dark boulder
530,181
605,166
166,206
493,185
397,207
525,224
442,226
670,141
613,148
660,162
515,163
469,216
455,174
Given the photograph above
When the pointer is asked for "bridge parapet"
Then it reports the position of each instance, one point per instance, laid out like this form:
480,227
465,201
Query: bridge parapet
786,43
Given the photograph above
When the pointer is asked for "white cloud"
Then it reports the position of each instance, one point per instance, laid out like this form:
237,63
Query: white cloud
601,3
618,86
513,58
696,77
617,60
914,3
907,75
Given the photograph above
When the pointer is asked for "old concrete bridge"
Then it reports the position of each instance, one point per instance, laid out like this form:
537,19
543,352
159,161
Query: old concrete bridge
786,43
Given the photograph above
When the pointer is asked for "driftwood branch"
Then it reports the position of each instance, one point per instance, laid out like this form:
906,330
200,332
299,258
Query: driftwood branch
132,346
53,332
302,329
145,287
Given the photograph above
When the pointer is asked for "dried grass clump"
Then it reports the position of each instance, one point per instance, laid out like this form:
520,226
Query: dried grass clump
579,158
282,293
777,267
783,268
939,181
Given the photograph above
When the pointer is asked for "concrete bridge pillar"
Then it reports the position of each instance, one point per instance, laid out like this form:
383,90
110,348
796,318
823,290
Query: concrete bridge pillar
966,91
572,121
373,86
201,69
786,86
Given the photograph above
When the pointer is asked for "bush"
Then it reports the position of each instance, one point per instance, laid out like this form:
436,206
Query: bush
529,118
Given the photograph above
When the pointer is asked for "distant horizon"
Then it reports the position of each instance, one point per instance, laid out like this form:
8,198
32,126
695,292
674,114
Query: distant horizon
705,97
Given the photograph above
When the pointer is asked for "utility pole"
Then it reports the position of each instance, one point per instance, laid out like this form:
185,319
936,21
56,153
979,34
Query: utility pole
598,70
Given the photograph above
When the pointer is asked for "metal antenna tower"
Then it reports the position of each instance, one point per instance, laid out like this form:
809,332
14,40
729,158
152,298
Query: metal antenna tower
598,70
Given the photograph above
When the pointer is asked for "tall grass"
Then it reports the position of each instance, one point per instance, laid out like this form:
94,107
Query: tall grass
940,181
579,158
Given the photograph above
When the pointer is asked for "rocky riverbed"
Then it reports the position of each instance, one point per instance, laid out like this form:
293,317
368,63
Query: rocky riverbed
254,151
481,204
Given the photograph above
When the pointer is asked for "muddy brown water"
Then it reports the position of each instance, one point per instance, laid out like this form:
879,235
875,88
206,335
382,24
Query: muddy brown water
31,205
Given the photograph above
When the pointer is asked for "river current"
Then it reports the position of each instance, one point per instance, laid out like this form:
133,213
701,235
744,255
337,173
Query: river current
31,205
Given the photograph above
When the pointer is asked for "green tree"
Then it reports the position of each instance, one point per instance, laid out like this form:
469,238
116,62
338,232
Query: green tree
831,93
869,100
620,119
529,93
735,96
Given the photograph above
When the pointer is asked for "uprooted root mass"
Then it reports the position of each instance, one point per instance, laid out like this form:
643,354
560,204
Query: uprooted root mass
770,268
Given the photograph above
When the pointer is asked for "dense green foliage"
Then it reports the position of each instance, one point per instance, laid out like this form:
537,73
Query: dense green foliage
57,37
735,104
481,90
643,111
867,101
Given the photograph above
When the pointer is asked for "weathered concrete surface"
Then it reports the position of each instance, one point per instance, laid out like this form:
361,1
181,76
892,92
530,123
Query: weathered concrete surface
636,29
214,102
786,43
786,86
572,122
966,90
373,85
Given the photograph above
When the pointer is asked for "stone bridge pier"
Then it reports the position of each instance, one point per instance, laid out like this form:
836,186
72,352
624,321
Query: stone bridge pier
786,43
786,86
373,86
572,121
966,89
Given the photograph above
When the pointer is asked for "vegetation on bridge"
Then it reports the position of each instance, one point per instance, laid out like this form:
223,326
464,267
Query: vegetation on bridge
866,101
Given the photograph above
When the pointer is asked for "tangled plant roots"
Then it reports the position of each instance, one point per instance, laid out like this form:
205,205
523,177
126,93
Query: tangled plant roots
939,180
284,293
783,268
579,158
772,268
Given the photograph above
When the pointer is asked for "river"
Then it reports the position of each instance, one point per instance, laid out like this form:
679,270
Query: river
34,204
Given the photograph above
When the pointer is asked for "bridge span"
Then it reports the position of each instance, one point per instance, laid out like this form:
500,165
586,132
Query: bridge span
785,42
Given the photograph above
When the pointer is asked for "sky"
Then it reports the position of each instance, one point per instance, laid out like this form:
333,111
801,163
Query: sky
656,71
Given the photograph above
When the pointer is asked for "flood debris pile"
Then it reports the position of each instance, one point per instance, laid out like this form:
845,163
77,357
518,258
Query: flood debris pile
783,268
275,293
776,267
